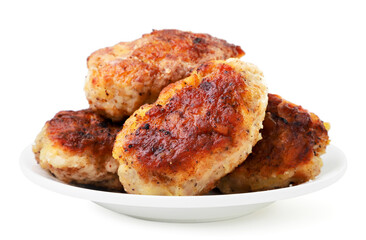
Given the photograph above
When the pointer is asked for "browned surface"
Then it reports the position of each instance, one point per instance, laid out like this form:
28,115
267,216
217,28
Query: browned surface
198,130
290,134
78,131
129,74
184,46
292,137
169,44
194,122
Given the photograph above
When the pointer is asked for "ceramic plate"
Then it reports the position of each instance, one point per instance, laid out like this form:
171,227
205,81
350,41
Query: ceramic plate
206,208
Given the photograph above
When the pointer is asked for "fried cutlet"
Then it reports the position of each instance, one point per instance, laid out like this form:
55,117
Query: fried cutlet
198,130
289,153
127,75
76,147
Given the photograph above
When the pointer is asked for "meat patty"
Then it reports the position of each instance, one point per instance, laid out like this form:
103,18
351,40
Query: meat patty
76,147
198,130
289,153
123,77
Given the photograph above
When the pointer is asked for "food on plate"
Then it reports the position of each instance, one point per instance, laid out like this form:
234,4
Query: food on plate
196,119
293,140
198,130
123,77
76,147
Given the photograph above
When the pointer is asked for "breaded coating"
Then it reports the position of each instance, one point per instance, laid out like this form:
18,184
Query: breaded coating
129,74
289,153
198,130
76,147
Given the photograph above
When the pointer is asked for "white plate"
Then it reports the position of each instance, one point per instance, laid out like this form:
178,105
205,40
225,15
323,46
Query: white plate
187,208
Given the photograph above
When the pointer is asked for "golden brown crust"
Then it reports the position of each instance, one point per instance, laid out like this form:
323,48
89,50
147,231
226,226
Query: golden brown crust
123,77
76,147
182,46
78,131
293,139
198,130
178,134
290,134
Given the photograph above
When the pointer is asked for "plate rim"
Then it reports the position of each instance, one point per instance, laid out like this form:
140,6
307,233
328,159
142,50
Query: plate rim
27,163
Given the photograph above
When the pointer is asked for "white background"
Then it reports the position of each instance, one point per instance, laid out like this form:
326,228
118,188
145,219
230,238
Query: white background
312,53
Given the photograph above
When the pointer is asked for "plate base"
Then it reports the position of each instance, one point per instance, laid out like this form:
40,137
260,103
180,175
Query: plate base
185,215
